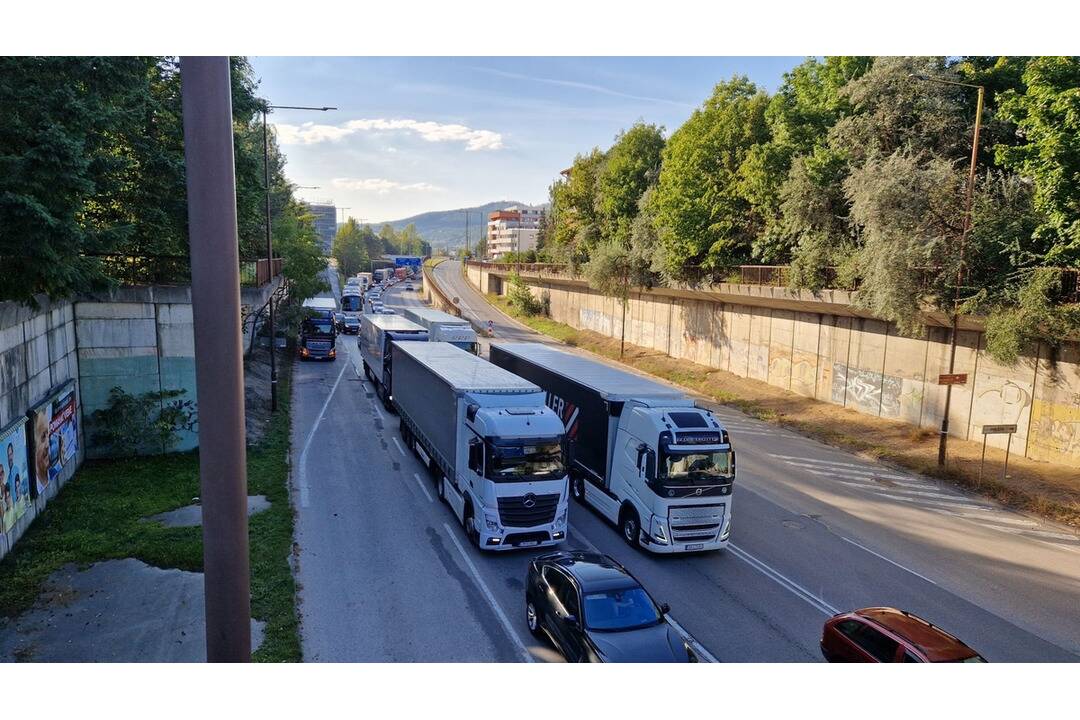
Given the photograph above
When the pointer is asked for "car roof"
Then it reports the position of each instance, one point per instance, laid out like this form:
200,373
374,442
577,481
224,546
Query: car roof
932,641
593,571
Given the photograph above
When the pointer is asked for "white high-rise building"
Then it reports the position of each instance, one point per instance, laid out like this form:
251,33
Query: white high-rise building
514,229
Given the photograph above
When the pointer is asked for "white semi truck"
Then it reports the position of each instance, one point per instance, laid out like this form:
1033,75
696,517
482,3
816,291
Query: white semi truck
444,327
377,333
639,452
493,445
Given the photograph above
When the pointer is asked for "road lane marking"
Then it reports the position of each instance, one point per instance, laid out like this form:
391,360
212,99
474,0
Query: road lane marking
698,647
423,487
398,446
784,581
490,597
380,412
891,562
304,489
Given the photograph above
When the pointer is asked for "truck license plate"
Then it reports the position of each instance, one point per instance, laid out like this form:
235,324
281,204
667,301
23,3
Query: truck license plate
695,546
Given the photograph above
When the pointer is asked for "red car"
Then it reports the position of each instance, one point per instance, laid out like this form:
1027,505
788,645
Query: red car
889,635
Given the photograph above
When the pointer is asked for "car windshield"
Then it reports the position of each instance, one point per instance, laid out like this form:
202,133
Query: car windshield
625,609
697,467
519,462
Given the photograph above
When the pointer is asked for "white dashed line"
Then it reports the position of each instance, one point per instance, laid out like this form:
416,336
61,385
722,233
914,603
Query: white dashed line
423,487
398,446
526,656
891,562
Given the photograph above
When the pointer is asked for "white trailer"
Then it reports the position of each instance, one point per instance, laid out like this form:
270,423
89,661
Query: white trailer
493,445
444,327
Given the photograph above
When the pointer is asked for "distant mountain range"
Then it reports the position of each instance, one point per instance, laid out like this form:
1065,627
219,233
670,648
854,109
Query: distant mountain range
446,228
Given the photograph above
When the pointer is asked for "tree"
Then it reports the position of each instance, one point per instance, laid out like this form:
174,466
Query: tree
576,224
302,259
630,167
1047,116
348,248
705,222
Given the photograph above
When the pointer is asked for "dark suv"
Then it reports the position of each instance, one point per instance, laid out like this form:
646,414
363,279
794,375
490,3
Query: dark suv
888,635
593,610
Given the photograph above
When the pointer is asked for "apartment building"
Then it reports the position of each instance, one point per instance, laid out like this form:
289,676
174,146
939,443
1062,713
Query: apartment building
514,229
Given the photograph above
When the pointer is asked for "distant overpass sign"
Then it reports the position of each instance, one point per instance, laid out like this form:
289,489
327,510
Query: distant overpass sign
998,429
952,379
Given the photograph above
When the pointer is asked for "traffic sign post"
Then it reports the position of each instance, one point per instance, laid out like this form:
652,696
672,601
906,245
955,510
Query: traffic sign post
952,379
997,430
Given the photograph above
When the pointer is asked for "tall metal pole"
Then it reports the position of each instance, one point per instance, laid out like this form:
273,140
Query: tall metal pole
466,234
970,194
270,266
219,373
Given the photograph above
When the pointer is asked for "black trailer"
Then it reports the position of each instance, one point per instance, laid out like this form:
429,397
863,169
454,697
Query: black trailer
588,396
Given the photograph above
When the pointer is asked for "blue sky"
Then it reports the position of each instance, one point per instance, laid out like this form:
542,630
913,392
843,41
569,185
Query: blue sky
418,134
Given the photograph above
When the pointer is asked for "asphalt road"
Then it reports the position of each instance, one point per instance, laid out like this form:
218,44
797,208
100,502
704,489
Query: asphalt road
386,573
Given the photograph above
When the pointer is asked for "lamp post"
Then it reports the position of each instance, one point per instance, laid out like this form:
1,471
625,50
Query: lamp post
269,243
944,437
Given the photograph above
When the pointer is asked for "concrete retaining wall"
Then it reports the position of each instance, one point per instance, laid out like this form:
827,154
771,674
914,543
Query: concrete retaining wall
856,362
37,354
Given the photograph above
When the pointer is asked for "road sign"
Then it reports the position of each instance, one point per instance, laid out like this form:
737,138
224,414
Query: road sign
952,379
998,429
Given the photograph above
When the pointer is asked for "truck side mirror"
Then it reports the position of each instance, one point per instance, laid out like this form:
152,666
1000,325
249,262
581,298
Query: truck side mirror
650,465
476,457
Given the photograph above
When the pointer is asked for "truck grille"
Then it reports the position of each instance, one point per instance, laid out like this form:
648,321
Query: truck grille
318,345
695,523
514,513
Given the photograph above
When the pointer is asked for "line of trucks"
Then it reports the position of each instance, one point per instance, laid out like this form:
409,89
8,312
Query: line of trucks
511,440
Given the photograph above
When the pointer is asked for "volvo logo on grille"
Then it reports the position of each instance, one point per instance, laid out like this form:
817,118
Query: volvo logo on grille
529,500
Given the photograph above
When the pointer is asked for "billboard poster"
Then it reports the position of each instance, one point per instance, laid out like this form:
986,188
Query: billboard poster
55,435
14,474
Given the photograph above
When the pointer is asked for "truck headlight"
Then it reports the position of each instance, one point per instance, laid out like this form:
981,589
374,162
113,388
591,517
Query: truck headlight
658,530
561,520
492,522
726,532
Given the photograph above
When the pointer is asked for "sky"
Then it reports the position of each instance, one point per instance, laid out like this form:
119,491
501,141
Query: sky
417,134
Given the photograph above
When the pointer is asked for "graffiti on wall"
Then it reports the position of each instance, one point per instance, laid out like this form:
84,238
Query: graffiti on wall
868,391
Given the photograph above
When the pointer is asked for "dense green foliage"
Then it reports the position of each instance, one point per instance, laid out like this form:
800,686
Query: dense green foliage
855,174
92,170
149,423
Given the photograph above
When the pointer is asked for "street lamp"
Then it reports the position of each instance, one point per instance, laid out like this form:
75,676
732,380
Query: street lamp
269,243
944,438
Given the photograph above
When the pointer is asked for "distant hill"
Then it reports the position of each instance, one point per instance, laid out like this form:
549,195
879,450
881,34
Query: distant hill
446,228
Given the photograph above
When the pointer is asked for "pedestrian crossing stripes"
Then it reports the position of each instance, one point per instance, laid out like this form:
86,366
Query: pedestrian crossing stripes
928,496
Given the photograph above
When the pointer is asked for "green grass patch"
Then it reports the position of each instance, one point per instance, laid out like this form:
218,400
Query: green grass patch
539,323
97,516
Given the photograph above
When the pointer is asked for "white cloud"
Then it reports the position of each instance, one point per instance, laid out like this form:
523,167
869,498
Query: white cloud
381,186
310,133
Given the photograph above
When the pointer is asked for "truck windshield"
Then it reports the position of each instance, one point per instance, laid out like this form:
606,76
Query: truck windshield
471,347
352,303
697,467
513,463
318,326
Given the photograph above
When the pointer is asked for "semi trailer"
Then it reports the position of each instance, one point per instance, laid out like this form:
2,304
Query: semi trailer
377,333
639,452
492,443
444,327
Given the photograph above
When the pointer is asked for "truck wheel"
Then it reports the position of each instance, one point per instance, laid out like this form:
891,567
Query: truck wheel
577,488
470,525
630,526
532,619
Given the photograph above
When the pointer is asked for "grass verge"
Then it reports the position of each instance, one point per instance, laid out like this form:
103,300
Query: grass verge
98,515
1039,488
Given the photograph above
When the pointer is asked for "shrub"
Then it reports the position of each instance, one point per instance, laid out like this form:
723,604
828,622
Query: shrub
142,424
521,298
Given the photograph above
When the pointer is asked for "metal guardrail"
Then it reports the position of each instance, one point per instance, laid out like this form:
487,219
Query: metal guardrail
436,291
130,269
769,275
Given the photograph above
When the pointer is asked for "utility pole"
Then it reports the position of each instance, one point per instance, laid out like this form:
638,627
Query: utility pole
466,234
269,243
215,297
968,199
